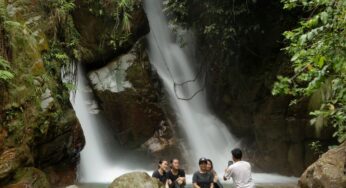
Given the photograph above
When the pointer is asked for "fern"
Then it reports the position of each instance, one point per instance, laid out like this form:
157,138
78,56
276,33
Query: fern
5,74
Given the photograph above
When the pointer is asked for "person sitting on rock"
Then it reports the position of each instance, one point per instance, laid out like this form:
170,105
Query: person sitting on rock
161,173
240,171
210,168
176,175
202,178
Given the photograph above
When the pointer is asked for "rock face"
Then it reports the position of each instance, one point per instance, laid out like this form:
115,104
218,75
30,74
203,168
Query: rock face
136,179
40,136
99,30
240,79
329,171
129,96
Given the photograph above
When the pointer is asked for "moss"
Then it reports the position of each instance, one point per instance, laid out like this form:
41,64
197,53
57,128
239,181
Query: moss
32,177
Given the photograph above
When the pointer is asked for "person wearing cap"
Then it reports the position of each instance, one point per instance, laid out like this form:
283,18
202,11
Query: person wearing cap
202,178
240,171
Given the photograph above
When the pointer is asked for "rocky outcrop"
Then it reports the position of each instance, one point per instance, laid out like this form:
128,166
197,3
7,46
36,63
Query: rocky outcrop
129,96
329,171
136,179
39,131
102,35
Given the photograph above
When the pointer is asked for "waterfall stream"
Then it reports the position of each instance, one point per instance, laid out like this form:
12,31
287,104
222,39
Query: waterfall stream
207,136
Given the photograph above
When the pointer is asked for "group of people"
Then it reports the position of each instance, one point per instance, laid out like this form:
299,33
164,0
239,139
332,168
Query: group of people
172,176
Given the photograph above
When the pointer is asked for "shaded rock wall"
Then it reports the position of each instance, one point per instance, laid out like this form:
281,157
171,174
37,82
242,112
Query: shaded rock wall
243,66
40,133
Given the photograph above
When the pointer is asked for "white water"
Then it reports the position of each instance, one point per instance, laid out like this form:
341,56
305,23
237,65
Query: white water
207,136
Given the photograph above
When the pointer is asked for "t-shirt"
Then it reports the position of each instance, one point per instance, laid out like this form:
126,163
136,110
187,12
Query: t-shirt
162,178
204,180
240,172
171,176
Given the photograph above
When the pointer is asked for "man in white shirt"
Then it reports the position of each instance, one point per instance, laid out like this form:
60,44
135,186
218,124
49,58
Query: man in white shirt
240,171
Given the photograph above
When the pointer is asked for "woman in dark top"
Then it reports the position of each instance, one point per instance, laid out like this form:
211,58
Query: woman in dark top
176,175
161,172
202,178
210,168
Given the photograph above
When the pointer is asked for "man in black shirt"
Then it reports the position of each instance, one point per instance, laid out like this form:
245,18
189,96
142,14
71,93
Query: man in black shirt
176,175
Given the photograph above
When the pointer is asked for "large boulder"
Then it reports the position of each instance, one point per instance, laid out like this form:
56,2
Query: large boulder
129,95
329,171
136,179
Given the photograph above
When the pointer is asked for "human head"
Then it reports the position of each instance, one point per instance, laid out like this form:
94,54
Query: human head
210,165
237,154
175,164
203,164
163,165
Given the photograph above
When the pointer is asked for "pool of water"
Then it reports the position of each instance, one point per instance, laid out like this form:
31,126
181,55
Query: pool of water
274,185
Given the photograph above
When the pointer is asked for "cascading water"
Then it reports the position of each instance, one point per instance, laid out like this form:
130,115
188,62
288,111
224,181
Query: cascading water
207,136
102,160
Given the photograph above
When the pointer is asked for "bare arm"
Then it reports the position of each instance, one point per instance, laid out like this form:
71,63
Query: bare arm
181,181
212,185
195,185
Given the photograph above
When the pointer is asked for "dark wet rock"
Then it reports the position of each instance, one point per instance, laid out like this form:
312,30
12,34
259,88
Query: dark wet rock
136,179
97,31
240,79
329,171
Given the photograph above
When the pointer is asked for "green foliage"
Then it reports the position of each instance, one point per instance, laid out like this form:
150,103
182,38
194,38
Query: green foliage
5,73
119,12
318,51
217,22
316,147
59,9
177,10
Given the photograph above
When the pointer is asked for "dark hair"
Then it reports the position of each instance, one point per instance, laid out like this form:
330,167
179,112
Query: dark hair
211,163
236,153
172,160
160,162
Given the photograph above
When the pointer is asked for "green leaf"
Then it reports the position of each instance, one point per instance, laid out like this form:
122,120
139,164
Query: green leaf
324,17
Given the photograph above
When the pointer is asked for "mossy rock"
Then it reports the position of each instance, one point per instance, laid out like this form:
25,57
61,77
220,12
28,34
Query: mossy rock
12,159
29,177
97,31
136,179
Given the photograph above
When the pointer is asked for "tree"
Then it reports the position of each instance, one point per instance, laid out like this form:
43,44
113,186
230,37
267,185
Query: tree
318,55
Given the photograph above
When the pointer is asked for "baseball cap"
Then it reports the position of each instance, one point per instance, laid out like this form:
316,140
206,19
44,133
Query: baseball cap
203,160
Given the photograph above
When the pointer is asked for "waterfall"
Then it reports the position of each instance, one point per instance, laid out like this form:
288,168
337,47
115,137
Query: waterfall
206,134
102,159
